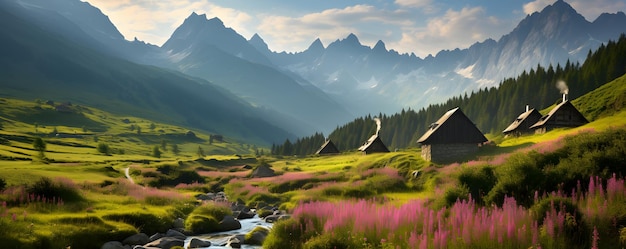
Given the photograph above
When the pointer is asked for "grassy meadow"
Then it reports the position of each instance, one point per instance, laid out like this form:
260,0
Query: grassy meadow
563,189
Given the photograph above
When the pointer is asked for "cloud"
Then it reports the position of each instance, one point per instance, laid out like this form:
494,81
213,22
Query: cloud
155,21
290,33
413,3
455,29
536,6
592,9
589,9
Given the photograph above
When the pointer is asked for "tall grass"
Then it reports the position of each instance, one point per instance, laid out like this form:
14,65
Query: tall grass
551,223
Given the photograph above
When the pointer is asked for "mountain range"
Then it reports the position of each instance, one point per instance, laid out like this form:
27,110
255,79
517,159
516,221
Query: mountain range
298,93
357,73
37,64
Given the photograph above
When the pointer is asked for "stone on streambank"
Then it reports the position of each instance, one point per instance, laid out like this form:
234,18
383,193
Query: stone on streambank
177,235
276,216
229,223
137,239
113,245
198,243
235,241
256,236
166,243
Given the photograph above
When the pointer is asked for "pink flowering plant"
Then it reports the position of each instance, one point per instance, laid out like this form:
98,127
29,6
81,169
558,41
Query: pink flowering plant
555,221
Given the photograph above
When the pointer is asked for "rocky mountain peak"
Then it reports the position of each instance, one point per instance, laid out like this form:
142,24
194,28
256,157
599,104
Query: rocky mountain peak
258,42
351,40
379,47
316,45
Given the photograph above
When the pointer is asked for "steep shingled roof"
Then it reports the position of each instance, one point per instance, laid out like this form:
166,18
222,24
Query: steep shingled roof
374,144
562,107
531,116
327,148
453,127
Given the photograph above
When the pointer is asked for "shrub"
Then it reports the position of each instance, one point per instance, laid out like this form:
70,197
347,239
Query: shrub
148,223
205,218
291,234
358,192
555,208
216,210
167,168
381,183
172,177
451,196
262,213
271,199
479,181
252,240
3,184
291,185
85,232
520,177
156,152
332,191
63,189
330,241
199,224
104,148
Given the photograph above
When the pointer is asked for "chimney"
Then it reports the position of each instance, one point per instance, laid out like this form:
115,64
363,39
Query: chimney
526,108
564,97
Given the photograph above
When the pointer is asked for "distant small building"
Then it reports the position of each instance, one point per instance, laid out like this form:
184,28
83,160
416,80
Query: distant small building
327,148
452,137
216,137
561,116
522,123
66,108
374,145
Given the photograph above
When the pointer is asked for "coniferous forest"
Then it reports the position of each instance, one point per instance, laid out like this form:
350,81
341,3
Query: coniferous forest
491,109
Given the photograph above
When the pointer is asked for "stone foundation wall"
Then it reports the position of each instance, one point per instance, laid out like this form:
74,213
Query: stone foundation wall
447,152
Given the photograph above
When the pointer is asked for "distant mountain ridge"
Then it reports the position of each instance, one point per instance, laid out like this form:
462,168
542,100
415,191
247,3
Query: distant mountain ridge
321,87
205,48
347,69
201,48
36,64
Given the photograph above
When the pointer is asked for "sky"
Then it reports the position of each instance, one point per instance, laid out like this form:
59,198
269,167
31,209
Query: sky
422,27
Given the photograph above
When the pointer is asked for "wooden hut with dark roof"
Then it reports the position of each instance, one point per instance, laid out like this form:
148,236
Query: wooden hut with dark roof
374,145
563,115
522,123
452,137
328,148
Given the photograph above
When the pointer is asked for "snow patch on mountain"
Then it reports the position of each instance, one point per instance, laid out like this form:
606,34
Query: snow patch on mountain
466,72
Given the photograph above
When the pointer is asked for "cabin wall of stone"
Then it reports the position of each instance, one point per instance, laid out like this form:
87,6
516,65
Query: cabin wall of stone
447,152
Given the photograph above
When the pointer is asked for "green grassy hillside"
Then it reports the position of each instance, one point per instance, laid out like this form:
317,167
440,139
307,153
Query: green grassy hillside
75,135
39,65
99,204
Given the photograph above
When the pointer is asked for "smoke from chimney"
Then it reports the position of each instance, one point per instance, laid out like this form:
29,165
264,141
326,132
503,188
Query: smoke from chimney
563,89
377,120
562,86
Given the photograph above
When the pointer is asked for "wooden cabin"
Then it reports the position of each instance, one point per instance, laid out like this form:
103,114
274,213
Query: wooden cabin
563,115
328,148
454,136
522,123
374,145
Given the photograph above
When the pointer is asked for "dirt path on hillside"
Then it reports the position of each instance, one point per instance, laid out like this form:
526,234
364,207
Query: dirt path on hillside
127,173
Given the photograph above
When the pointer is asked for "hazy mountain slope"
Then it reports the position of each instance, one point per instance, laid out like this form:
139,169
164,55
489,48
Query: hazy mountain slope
81,23
355,73
37,64
207,49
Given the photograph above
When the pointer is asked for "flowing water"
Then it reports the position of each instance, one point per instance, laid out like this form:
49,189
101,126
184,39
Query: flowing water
221,238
